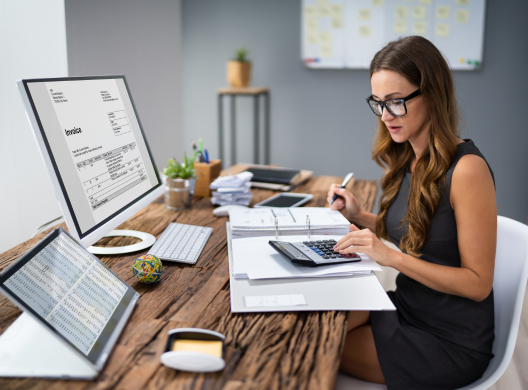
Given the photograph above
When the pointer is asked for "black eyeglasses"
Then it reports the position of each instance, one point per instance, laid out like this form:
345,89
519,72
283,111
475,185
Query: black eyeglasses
396,107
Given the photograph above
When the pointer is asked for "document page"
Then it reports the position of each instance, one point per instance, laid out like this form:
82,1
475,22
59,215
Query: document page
102,145
70,290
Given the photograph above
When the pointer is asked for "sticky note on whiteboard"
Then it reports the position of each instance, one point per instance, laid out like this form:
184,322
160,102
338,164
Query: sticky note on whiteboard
401,11
337,22
310,11
400,27
420,28
364,14
462,16
311,24
418,13
336,10
442,12
326,50
364,31
325,37
462,2
442,30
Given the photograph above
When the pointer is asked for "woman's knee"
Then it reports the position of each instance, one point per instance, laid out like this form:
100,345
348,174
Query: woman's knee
357,318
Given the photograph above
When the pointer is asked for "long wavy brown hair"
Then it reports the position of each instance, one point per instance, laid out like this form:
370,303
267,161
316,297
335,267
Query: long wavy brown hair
422,64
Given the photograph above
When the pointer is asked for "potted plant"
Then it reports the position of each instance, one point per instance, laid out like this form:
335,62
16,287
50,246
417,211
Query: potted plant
239,69
179,183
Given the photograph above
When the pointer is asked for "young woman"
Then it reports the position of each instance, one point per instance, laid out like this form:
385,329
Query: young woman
438,205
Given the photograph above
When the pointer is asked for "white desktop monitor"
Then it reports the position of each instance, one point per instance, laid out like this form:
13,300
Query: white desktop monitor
96,152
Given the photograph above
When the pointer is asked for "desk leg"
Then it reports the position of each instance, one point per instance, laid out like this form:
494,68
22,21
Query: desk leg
233,130
221,127
256,135
266,128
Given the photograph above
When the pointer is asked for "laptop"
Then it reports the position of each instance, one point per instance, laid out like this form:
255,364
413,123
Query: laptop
74,308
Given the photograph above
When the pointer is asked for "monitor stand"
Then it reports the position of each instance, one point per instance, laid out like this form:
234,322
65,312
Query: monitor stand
147,241
29,349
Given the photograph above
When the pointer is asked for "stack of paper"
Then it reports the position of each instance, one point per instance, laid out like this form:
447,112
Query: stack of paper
232,189
268,221
254,258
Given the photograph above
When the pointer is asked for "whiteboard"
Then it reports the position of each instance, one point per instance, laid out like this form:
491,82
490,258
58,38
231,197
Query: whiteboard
348,33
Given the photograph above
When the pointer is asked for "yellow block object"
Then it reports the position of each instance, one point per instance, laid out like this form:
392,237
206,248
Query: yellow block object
204,346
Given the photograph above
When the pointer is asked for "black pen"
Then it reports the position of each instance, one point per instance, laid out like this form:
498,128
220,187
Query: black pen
343,185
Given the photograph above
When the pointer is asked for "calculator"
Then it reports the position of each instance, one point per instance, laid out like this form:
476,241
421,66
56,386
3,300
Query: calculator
313,253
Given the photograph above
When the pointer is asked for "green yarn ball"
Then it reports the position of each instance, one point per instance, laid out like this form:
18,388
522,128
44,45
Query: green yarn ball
147,269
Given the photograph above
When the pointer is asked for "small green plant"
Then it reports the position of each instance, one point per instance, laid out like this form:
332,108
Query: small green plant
241,55
185,170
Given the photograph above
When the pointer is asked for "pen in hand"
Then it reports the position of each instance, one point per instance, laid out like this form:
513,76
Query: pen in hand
343,185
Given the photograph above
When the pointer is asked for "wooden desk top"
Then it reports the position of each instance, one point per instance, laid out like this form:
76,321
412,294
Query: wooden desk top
291,350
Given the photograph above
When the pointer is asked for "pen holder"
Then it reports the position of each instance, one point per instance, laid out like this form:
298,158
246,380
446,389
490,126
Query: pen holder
206,174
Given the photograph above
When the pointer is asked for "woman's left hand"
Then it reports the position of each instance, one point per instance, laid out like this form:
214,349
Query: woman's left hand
364,241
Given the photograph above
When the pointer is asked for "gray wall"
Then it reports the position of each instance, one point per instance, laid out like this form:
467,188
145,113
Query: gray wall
320,120
142,40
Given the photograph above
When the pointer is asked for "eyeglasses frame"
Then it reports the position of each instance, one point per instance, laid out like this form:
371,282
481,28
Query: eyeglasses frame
383,104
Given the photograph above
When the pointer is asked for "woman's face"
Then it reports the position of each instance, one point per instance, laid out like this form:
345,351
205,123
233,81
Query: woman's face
414,126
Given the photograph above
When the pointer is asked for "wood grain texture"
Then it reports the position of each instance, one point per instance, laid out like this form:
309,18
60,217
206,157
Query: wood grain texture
293,350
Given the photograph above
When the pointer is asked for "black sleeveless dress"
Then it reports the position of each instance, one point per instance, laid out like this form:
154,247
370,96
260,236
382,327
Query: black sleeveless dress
433,340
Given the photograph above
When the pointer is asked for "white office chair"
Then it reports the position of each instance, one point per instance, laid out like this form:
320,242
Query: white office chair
511,275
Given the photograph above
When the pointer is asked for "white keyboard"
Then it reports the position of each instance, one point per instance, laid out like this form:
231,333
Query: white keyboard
182,243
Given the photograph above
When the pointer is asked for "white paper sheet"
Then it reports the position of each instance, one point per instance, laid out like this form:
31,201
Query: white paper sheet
254,258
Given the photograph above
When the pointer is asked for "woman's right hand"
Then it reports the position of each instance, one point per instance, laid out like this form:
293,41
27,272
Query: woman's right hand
346,203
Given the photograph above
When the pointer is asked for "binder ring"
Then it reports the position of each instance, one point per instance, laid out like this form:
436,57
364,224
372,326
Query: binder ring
276,228
308,223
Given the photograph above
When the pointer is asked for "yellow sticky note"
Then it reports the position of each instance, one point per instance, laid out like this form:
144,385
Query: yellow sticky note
326,51
402,11
461,60
324,10
323,2
442,30
442,12
377,2
364,14
462,2
400,27
310,11
420,28
462,16
208,347
325,37
426,2
337,22
418,13
336,10
312,39
364,31
312,24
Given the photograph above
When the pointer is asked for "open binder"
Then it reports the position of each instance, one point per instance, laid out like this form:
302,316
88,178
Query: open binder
275,222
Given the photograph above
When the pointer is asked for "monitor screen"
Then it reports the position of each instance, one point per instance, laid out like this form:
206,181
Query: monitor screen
96,145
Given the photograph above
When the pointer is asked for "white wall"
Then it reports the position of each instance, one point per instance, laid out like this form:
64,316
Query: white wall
32,45
142,40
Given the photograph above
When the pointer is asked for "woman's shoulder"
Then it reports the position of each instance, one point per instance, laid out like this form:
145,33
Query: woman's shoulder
468,163
471,176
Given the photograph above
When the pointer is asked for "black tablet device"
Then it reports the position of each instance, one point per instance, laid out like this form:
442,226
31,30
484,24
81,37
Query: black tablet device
72,293
285,199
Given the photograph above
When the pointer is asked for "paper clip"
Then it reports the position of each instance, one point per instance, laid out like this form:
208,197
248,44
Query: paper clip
276,228
308,223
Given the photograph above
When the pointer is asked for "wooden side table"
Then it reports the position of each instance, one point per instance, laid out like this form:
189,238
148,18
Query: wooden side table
255,93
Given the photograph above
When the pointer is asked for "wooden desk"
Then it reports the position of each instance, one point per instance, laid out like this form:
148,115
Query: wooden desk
294,350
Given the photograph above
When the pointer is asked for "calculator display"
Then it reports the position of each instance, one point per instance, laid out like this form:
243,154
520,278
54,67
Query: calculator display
291,250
